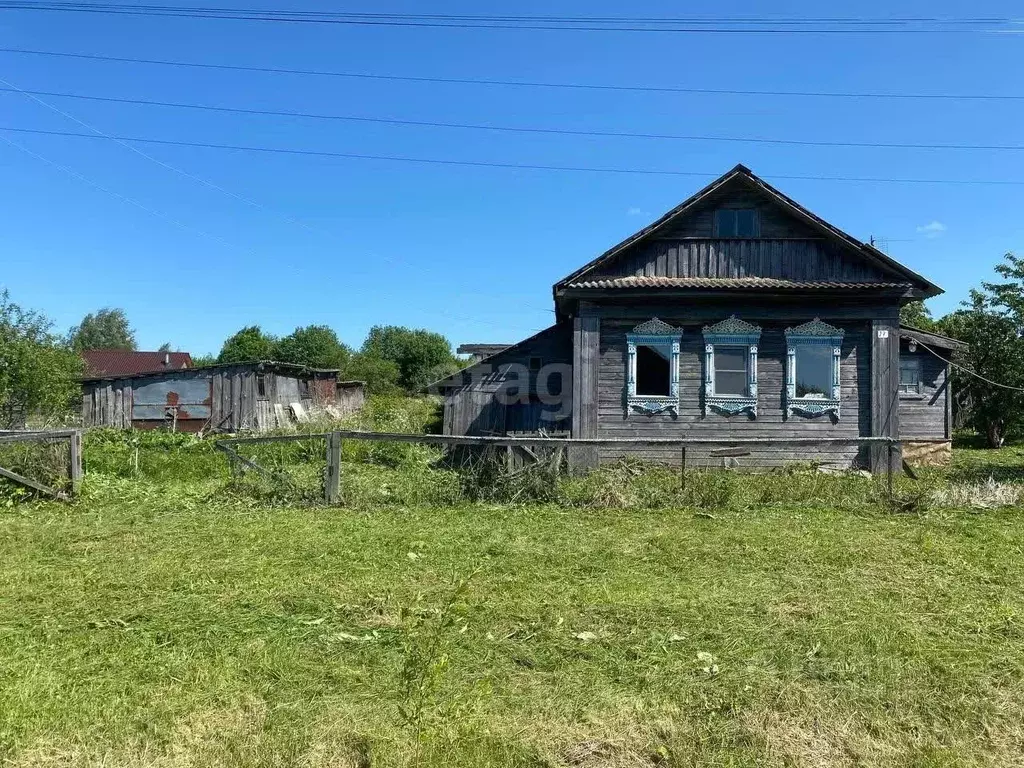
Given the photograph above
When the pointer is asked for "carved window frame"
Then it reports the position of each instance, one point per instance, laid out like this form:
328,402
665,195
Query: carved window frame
654,332
731,332
814,333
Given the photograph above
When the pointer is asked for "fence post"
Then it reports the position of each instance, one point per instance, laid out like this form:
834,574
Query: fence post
888,470
682,468
76,462
332,487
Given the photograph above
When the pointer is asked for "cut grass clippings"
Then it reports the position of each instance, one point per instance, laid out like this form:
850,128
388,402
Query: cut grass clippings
783,620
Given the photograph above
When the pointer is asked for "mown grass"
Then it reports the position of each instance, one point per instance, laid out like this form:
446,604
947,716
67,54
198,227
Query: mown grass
787,619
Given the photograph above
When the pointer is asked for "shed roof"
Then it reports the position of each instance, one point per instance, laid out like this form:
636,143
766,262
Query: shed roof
931,339
126,362
259,365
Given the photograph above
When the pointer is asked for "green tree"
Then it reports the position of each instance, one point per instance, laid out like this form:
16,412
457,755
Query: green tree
248,345
996,354
105,329
315,345
38,370
381,376
201,361
917,315
421,356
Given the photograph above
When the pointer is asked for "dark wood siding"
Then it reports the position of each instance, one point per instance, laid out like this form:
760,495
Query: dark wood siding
771,422
925,416
785,248
476,406
802,259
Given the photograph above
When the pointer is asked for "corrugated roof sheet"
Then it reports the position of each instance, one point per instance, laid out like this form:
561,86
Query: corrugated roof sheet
123,362
640,281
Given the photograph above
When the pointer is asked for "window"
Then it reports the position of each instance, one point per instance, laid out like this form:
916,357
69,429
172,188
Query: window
303,387
730,367
813,352
536,364
910,375
261,385
736,222
652,367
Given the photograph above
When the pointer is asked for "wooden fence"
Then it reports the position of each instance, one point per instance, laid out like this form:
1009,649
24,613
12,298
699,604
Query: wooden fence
73,437
730,447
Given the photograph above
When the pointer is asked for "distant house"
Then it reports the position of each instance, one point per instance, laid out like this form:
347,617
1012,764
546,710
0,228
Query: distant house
478,352
125,362
228,397
737,314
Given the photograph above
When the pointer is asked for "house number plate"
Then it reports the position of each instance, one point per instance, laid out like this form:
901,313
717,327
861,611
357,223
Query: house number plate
883,333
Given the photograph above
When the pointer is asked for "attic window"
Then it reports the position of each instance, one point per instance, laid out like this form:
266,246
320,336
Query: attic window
536,363
736,222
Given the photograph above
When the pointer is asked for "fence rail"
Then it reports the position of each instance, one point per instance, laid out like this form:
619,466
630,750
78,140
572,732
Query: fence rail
72,466
732,447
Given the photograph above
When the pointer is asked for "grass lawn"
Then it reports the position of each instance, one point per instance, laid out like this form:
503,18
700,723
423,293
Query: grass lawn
172,624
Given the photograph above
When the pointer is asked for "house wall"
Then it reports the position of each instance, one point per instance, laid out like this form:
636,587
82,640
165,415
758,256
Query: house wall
926,416
612,420
473,406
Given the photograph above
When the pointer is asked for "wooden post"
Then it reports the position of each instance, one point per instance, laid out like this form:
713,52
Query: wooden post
682,468
76,462
888,470
332,488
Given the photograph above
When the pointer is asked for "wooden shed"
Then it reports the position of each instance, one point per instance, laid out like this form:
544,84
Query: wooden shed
227,398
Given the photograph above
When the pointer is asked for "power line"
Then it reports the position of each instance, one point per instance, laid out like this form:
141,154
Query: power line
718,25
496,164
968,371
515,129
523,83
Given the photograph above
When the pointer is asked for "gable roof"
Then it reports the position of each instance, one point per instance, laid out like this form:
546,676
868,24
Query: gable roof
744,175
125,362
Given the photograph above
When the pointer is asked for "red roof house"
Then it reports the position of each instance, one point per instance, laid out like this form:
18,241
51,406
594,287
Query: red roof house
124,362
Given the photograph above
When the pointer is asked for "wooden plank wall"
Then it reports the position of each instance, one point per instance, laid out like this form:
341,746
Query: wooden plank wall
885,379
771,422
586,377
794,259
471,409
925,416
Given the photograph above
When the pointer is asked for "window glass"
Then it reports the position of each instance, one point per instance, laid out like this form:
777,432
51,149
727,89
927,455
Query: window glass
733,222
261,385
725,223
813,370
746,224
730,370
910,374
653,369
536,363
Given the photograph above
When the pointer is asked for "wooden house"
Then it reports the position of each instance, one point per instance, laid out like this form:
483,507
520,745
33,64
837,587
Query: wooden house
737,314
221,398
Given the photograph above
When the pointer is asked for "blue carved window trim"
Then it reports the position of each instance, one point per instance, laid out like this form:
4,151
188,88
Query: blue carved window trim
814,333
732,332
654,332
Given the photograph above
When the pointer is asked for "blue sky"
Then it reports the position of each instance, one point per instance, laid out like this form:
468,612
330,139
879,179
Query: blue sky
215,240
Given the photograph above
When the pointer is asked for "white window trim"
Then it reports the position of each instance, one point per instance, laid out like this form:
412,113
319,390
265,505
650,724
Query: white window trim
732,332
814,333
654,332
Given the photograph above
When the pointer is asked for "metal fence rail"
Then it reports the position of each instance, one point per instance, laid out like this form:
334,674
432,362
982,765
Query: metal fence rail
334,440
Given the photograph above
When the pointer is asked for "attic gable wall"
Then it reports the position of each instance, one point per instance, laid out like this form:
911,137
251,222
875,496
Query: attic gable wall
787,247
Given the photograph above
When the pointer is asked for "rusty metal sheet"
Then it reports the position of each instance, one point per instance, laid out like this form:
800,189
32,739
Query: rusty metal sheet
189,397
